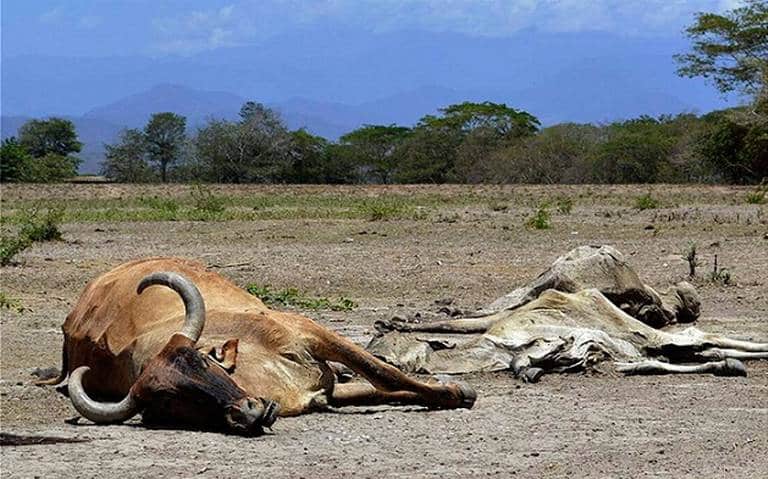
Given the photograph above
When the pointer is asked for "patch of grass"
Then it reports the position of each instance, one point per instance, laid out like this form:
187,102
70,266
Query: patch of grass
719,275
166,205
379,209
541,219
10,303
646,202
203,204
10,246
759,195
36,226
292,297
564,205
206,204
42,226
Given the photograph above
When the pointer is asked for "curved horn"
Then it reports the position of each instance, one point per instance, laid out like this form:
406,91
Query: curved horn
194,306
98,412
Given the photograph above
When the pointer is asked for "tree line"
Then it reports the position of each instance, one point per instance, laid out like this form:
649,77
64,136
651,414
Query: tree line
464,143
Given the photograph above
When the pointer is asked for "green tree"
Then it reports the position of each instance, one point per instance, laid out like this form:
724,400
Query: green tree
467,117
52,167
165,138
52,136
50,144
634,151
557,154
730,49
15,161
126,160
737,152
474,131
375,149
314,160
255,149
428,156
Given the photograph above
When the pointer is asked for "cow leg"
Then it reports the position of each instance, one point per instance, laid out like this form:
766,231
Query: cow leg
727,367
366,395
456,326
728,343
717,353
329,346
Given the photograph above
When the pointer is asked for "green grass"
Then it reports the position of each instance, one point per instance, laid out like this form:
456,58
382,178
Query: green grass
294,298
10,246
564,205
35,226
646,202
541,219
41,225
207,206
222,203
759,195
169,206
11,304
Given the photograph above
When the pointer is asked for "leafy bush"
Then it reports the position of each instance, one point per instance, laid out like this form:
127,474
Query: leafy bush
11,246
294,298
39,226
541,220
646,202
35,227
206,202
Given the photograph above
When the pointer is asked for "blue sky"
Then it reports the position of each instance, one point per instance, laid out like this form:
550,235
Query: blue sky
184,27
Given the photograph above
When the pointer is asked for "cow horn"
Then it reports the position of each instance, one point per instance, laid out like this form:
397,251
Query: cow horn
194,306
98,412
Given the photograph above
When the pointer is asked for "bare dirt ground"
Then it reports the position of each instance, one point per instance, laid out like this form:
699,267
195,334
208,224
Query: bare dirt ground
567,425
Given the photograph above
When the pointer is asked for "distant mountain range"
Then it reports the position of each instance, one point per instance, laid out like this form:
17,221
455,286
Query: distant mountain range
334,81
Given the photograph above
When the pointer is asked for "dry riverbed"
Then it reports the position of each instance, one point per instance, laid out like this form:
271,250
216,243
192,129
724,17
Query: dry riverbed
396,250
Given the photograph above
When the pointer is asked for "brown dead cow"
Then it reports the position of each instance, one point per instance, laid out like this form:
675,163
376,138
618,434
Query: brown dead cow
213,356
590,307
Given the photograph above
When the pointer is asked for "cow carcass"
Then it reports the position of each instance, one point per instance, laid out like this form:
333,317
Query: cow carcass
185,347
589,308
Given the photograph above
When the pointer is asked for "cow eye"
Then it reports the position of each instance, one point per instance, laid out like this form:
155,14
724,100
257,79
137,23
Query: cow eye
205,360
210,359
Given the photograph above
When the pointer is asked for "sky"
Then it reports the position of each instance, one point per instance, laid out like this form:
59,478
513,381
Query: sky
158,28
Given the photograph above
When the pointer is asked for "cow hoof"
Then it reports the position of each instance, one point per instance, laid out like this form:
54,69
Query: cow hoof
388,325
383,325
731,367
467,395
532,375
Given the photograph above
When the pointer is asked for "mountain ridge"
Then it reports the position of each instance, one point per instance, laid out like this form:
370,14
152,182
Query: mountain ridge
332,81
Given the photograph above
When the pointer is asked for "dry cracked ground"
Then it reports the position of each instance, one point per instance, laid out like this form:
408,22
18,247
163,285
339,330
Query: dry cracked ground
395,250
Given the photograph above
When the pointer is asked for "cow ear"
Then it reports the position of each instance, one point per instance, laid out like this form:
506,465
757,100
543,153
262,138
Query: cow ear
226,354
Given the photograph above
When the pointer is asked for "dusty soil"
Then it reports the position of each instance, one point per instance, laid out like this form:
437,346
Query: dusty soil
570,425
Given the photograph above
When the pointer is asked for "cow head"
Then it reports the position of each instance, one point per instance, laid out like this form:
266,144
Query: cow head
181,386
